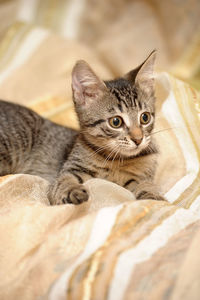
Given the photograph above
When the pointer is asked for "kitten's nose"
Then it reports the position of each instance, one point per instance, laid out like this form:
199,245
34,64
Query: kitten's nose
137,136
137,141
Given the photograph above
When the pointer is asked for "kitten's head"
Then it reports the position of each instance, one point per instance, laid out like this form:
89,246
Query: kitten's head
116,116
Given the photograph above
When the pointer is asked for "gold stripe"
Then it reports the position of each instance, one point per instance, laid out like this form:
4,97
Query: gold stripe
61,14
126,229
131,245
189,196
42,7
51,13
12,43
8,37
57,109
189,64
86,290
191,193
49,106
48,13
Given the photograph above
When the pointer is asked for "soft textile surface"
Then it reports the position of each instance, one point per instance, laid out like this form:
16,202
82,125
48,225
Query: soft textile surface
111,247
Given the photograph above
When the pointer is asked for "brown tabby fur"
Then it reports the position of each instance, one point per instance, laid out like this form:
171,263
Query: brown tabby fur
67,158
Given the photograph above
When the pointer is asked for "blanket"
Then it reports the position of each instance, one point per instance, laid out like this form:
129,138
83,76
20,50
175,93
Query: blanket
112,247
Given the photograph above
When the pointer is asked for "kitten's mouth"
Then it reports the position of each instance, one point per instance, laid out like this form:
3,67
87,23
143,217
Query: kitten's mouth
127,149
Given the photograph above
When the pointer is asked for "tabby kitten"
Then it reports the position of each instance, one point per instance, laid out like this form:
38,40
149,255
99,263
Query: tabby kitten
114,142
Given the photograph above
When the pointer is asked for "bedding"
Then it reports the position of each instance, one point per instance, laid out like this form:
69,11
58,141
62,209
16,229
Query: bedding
111,247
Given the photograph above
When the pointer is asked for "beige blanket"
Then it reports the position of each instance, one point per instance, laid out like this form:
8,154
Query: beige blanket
111,247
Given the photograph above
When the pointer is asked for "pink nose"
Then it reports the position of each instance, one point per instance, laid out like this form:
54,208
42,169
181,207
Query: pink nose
137,141
137,135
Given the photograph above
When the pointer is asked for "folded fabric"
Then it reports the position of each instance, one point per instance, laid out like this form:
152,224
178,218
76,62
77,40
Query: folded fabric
111,247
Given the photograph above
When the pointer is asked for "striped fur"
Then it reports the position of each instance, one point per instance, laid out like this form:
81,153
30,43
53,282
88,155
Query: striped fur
124,155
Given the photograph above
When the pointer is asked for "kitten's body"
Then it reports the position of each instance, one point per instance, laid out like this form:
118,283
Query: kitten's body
125,155
31,144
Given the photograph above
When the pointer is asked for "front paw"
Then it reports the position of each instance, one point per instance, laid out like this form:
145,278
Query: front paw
76,195
149,195
147,190
73,194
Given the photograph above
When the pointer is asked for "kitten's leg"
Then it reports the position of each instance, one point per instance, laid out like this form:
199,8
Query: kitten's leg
68,188
145,190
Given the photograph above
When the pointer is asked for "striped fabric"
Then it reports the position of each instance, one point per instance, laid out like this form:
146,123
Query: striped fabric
111,247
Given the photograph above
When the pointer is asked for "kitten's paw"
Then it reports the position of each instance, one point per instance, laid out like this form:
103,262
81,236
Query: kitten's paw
63,192
147,190
149,195
76,195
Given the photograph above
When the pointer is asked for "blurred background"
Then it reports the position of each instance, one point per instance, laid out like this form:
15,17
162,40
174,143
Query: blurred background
123,32
113,36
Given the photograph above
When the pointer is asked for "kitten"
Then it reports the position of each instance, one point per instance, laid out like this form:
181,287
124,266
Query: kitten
114,142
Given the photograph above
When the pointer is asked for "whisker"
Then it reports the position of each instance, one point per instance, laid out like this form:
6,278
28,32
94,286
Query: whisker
109,156
165,129
98,150
114,157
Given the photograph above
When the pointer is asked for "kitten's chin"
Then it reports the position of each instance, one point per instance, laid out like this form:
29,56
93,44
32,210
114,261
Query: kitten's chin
133,151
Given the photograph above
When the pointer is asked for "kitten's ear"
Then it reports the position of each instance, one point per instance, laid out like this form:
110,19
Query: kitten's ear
86,85
143,75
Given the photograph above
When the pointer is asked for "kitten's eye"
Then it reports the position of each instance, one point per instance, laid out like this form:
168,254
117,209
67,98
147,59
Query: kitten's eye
116,122
145,118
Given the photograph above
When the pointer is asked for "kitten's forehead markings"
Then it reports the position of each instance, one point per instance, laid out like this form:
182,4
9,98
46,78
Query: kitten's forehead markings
121,99
111,110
